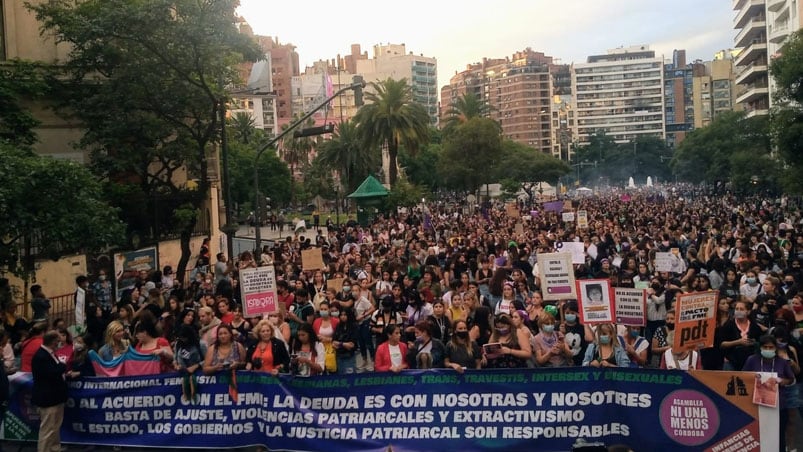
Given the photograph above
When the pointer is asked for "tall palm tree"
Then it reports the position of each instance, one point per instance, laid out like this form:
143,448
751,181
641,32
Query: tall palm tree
391,118
346,154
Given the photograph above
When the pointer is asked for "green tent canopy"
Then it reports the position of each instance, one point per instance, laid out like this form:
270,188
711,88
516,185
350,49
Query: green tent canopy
369,196
369,188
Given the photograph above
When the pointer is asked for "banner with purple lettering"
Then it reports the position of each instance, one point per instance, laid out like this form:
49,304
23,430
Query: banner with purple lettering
501,410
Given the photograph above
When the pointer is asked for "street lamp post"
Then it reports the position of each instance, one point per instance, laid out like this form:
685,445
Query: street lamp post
357,85
230,228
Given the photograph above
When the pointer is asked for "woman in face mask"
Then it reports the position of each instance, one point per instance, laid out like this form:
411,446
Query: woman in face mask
606,351
461,352
767,359
549,347
507,347
751,287
739,337
662,339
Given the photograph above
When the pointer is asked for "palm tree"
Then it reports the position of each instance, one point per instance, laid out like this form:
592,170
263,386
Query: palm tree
243,127
468,106
391,118
345,154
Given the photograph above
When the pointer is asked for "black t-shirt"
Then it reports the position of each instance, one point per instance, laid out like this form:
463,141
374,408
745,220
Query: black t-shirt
576,337
738,355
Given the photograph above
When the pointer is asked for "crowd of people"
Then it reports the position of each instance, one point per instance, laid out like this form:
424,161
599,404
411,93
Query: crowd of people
451,286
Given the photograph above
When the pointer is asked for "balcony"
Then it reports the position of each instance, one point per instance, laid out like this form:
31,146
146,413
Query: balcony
751,72
751,53
753,30
775,5
778,32
753,93
750,9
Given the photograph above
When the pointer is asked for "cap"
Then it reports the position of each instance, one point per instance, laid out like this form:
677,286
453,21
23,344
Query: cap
150,285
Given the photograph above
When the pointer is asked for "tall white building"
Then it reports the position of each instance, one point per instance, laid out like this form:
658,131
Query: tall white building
620,93
783,19
393,61
752,75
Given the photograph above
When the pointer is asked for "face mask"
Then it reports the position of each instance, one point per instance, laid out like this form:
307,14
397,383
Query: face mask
102,278
346,289
604,339
571,318
751,281
503,331
141,298
656,287
670,326
461,334
334,313
324,314
634,334
782,345
78,347
739,314
768,354
209,281
548,328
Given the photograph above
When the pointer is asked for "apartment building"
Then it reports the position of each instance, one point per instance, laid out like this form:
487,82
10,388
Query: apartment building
620,93
284,66
752,74
713,89
678,105
519,91
393,61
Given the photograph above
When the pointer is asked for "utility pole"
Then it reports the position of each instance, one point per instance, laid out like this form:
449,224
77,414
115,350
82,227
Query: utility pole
357,85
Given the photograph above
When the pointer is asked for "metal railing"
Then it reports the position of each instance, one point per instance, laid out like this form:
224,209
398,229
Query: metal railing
61,307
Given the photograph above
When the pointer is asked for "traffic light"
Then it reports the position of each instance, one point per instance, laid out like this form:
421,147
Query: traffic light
311,131
359,85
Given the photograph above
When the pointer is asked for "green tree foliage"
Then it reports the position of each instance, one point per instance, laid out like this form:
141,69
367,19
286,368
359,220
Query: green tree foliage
470,154
53,205
274,176
707,154
466,107
527,167
605,161
422,170
787,116
146,79
318,180
19,80
346,154
404,194
391,118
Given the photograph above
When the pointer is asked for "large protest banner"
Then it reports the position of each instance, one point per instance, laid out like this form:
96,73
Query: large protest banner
506,410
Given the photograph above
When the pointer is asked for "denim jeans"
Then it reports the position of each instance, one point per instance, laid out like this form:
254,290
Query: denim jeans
346,364
366,339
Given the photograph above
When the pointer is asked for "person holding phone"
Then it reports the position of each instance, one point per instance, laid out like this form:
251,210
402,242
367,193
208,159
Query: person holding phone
508,347
549,347
225,353
739,337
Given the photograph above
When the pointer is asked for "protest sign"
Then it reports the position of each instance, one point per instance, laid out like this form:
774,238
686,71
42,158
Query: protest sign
312,259
557,276
582,219
695,320
663,261
595,301
577,250
630,306
258,290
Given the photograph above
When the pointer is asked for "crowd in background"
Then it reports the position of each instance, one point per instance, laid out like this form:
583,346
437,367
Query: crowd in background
447,285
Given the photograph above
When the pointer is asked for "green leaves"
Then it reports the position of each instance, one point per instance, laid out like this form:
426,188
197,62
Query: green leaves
57,205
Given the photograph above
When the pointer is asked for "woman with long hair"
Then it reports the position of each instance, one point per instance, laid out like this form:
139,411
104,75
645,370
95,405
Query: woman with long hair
345,342
606,351
480,330
115,341
225,352
187,352
511,346
461,352
307,353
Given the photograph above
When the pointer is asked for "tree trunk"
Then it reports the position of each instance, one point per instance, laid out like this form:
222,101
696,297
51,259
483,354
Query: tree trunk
393,152
186,253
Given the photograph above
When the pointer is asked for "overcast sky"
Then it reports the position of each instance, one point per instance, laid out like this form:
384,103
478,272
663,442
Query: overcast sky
458,33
